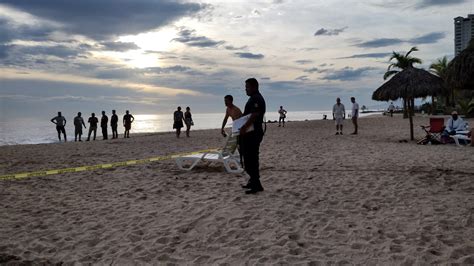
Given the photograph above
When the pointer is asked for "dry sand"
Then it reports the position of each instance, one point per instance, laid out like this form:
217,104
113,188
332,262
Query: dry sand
364,199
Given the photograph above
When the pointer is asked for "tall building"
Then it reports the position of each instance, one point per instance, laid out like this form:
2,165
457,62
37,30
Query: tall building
463,32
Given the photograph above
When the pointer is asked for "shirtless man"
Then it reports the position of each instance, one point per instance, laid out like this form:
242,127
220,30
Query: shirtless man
232,111
60,123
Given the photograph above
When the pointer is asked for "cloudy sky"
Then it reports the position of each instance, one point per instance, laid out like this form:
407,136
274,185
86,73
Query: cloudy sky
151,55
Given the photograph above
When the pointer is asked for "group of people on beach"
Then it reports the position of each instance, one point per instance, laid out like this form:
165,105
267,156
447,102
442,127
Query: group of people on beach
339,115
60,122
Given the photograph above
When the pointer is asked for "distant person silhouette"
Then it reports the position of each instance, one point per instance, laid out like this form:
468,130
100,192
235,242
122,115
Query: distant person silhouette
391,108
93,121
188,120
103,124
282,113
78,123
127,123
113,124
355,115
233,111
60,122
178,118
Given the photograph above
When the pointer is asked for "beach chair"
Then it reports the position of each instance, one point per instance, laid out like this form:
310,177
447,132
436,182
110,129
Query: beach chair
228,155
434,130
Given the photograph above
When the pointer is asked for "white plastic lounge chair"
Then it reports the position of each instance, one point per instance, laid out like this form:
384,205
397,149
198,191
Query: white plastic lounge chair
228,155
458,137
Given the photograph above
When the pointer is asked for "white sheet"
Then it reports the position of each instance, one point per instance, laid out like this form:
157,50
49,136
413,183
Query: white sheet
237,124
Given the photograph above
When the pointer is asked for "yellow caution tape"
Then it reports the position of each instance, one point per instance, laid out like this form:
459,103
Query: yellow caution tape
94,167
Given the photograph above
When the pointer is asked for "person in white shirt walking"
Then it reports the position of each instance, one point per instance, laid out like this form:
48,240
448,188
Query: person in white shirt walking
338,114
355,115
282,113
391,108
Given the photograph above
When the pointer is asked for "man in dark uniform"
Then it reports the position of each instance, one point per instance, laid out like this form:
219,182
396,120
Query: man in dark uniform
113,124
103,124
78,123
250,141
93,121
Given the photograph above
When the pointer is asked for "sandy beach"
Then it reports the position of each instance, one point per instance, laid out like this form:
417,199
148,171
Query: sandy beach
365,199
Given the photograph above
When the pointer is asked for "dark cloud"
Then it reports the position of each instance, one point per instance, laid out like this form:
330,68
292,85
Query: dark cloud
302,78
303,62
369,55
250,55
348,73
429,3
233,48
119,46
432,37
382,42
4,50
189,38
105,19
329,32
315,70
10,31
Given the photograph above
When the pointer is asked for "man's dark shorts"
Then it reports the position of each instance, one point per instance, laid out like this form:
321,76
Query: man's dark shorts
61,129
78,130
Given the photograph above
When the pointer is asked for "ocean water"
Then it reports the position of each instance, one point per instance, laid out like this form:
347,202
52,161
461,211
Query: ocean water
41,130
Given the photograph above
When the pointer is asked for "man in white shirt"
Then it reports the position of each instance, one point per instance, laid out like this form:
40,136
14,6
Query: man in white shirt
455,123
338,114
355,115
391,108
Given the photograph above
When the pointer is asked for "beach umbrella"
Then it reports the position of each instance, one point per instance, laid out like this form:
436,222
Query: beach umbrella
409,84
460,72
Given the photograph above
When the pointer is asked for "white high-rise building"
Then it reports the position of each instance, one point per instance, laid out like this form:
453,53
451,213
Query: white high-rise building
463,32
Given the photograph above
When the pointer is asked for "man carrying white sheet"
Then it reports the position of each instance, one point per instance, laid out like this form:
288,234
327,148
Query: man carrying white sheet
250,139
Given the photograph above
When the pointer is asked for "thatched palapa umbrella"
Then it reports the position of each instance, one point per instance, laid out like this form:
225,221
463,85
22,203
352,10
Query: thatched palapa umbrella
409,84
460,72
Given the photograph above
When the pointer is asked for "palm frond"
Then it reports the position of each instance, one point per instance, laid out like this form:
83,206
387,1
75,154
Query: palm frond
390,73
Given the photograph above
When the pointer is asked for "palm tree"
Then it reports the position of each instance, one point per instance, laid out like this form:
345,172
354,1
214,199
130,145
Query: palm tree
439,68
402,62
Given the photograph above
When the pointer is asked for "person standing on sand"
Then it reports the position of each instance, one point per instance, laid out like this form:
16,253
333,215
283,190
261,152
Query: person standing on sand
178,118
127,123
250,141
355,115
338,114
391,108
93,121
188,120
60,122
232,111
282,113
103,124
114,124
78,123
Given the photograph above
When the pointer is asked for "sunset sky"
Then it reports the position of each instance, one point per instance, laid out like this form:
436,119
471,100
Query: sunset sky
150,56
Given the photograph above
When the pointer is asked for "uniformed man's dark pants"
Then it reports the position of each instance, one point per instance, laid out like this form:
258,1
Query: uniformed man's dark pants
250,148
104,132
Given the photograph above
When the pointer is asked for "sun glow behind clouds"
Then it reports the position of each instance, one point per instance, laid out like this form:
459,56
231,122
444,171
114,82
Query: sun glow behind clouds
159,41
